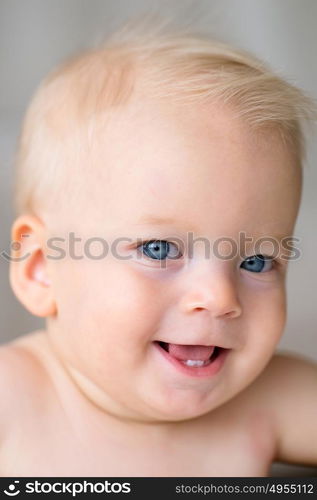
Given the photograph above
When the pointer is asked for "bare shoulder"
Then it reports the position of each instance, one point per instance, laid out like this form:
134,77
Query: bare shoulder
284,380
283,360
287,390
18,358
21,374
285,371
290,373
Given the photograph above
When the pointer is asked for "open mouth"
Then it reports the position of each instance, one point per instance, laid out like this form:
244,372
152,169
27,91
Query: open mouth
194,361
210,354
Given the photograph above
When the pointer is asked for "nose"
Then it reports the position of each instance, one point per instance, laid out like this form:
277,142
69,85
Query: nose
212,292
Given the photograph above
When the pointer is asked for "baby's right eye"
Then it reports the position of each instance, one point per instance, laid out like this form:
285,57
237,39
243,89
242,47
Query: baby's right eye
160,250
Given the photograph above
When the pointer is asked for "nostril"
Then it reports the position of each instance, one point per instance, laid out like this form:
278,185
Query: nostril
233,313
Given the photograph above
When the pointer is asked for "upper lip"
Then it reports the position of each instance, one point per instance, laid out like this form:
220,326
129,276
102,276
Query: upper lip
194,343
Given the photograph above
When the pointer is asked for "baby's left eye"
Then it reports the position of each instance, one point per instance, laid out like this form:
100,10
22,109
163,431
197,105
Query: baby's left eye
258,263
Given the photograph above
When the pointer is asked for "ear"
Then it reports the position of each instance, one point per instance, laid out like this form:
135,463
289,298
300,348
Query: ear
29,270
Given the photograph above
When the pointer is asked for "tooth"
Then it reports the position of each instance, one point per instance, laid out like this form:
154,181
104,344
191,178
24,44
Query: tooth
194,362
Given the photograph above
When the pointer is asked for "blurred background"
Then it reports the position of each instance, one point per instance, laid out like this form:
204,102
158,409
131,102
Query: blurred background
36,35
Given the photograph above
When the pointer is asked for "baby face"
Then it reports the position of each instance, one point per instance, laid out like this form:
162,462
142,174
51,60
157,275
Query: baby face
137,328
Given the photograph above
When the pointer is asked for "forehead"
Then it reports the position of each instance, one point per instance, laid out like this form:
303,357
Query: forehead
193,163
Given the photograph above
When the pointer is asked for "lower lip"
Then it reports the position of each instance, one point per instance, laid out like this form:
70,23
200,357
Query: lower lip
195,371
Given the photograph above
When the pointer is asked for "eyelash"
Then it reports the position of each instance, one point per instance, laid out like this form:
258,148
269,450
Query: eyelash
265,258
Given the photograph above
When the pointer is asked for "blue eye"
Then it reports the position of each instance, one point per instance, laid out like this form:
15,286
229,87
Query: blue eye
256,263
160,249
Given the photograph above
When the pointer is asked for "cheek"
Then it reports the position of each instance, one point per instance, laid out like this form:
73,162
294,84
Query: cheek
266,320
116,302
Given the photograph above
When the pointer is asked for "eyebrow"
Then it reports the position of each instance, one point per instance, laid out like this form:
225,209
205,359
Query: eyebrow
157,220
154,219
277,236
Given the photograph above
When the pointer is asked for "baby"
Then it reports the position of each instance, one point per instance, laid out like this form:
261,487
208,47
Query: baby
158,181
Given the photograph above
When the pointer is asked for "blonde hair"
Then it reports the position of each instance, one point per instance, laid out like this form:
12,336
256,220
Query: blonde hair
184,67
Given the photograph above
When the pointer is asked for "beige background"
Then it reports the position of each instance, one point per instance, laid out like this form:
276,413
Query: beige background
37,34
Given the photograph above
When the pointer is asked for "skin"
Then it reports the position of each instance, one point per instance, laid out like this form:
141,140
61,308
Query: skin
204,168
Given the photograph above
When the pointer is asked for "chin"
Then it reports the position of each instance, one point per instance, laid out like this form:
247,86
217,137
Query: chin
182,408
